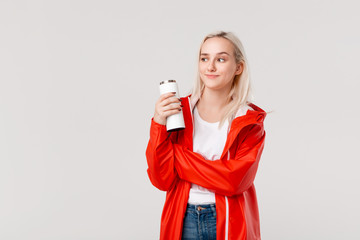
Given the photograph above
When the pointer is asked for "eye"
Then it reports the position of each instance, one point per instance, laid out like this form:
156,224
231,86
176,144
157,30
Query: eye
203,59
221,60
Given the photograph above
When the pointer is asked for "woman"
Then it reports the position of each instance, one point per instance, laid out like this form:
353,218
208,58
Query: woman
208,168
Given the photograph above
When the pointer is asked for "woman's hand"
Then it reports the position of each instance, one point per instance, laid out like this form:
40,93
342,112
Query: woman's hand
166,105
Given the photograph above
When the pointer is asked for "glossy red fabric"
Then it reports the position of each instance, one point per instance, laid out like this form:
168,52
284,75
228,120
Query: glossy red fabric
172,166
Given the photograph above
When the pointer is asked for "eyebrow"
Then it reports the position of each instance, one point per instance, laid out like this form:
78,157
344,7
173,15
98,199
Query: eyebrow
216,54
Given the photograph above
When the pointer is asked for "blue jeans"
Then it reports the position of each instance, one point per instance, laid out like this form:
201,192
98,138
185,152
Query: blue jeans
199,222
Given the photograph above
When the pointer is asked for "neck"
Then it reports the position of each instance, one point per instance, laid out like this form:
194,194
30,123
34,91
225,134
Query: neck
214,99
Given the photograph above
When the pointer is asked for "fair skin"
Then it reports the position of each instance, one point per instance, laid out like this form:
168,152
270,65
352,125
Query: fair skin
217,69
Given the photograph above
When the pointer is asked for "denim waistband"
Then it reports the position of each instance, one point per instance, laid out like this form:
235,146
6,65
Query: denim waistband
201,208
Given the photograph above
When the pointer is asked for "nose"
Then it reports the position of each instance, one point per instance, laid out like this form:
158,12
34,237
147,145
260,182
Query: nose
211,66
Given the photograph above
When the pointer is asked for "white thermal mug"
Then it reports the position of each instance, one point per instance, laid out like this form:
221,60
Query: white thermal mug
174,122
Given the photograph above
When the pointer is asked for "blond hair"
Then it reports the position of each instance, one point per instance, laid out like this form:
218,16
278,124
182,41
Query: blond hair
239,94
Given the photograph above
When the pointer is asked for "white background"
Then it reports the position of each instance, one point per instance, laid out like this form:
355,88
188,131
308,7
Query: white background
78,85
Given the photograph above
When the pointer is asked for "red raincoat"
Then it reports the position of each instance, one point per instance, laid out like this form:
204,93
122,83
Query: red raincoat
173,166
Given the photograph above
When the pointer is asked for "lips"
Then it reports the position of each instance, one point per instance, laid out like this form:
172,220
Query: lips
211,76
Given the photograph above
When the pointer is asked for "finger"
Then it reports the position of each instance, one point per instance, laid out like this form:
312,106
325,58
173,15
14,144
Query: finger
169,100
173,106
171,112
166,95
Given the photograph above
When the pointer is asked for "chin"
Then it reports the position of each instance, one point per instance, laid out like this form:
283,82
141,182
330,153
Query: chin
214,87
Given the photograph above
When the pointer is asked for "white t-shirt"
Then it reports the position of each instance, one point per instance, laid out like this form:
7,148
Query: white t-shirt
209,141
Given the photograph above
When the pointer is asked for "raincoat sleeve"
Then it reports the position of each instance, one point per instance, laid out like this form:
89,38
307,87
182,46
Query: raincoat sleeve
227,177
160,157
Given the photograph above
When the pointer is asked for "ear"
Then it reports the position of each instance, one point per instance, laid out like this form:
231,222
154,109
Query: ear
239,68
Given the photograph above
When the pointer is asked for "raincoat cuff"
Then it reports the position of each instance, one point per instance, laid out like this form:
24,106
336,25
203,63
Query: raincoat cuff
159,130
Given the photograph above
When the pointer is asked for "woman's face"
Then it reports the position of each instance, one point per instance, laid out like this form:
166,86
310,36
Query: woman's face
217,65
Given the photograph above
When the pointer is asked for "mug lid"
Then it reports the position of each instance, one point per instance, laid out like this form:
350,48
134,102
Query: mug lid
167,81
